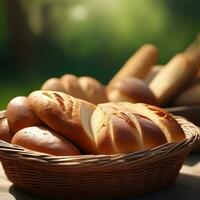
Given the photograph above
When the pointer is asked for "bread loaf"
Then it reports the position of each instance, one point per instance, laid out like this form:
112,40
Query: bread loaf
44,140
131,90
5,132
72,87
19,114
117,130
67,116
169,82
94,91
138,65
53,84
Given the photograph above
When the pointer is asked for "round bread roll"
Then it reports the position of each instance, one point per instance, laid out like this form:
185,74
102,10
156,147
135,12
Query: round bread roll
72,87
66,115
5,132
118,131
93,89
19,114
132,90
53,84
43,140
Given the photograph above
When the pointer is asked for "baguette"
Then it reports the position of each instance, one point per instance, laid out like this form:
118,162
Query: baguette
170,81
138,65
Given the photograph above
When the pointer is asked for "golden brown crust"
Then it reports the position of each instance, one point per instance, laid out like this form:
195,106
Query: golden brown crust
132,90
53,84
93,89
20,115
173,78
137,65
5,132
170,127
72,87
44,140
151,134
66,115
119,130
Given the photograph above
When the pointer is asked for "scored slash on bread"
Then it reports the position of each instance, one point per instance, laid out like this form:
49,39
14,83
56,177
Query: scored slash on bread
117,130
66,115
161,117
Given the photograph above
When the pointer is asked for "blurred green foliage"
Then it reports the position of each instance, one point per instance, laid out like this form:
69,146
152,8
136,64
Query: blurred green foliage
47,38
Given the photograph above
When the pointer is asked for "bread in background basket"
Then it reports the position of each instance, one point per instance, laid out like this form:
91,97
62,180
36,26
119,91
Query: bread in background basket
85,87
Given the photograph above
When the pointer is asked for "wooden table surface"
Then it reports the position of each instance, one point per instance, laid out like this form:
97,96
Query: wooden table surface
186,187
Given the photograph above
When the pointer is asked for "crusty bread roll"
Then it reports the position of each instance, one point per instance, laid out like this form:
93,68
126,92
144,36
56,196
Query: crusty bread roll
66,115
19,114
138,65
169,82
116,130
5,132
72,87
131,90
43,140
53,84
93,89
170,127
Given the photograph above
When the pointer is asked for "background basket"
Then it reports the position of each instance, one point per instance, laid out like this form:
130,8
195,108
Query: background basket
97,176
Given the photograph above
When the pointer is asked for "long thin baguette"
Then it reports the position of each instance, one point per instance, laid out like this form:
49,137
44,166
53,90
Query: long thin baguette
138,65
173,77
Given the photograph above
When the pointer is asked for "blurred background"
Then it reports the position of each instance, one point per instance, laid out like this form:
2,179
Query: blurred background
40,39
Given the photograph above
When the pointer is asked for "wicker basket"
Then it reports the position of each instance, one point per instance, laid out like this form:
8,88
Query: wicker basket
97,176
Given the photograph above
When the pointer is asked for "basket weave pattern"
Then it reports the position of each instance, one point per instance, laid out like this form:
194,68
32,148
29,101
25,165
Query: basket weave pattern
97,176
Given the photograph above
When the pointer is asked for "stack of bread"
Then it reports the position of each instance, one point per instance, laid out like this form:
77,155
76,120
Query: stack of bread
142,80
78,115
58,124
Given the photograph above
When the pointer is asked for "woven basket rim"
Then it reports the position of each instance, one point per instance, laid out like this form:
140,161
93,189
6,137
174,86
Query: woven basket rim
84,161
